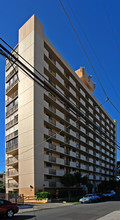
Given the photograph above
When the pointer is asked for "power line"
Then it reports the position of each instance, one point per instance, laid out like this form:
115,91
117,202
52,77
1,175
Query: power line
32,78
38,71
111,26
92,48
76,109
85,52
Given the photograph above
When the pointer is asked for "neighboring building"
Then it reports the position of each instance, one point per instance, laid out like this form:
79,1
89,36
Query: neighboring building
44,139
2,182
2,177
118,170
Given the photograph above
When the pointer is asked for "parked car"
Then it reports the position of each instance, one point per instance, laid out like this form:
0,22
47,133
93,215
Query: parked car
88,198
102,197
7,208
110,194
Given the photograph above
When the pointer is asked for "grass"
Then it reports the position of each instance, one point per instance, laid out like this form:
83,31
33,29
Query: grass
75,203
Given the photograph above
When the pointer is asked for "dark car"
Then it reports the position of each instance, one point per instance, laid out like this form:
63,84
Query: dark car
110,194
7,208
102,197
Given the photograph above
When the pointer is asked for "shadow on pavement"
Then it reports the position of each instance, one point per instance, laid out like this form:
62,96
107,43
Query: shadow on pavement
19,217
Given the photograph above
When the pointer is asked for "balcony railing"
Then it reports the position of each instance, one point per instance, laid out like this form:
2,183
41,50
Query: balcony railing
12,147
11,85
66,151
12,135
52,171
12,172
10,99
52,121
11,73
52,146
11,123
66,162
10,111
12,160
52,184
51,133
52,97
52,159
52,59
52,109
12,185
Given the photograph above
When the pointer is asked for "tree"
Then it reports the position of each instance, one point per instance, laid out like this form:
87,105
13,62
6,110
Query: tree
85,180
2,187
78,178
68,180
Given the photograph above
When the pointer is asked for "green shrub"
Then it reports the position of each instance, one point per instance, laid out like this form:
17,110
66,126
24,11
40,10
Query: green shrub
43,195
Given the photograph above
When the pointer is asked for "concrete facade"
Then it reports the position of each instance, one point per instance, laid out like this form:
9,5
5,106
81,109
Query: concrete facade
44,139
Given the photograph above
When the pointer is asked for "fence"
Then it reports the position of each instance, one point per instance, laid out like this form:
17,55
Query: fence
15,198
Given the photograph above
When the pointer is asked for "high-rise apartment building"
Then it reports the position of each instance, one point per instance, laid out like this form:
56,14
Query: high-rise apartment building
44,137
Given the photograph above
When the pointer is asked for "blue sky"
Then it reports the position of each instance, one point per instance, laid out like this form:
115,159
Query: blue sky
91,15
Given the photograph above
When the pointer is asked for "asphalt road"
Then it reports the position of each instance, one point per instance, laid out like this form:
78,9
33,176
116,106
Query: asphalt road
75,212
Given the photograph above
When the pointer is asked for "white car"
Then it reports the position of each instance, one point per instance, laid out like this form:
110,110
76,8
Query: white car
88,198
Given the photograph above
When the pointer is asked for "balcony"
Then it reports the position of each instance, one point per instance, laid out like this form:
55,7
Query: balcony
13,147
11,98
52,97
11,123
12,173
51,133
12,185
83,139
52,109
52,159
12,135
72,133
72,154
12,110
52,184
12,160
52,146
82,166
72,164
53,122
60,149
60,161
13,72
12,87
73,144
66,151
52,171
67,163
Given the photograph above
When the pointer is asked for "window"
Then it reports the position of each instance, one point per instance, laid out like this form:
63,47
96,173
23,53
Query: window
1,202
48,165
61,156
49,177
77,164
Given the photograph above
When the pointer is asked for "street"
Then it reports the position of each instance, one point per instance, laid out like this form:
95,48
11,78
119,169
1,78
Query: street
81,211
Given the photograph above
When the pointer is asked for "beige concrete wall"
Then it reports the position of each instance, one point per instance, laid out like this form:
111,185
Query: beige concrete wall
38,108
31,165
26,111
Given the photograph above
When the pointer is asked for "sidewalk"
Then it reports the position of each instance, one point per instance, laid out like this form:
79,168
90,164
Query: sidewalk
35,207
111,216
